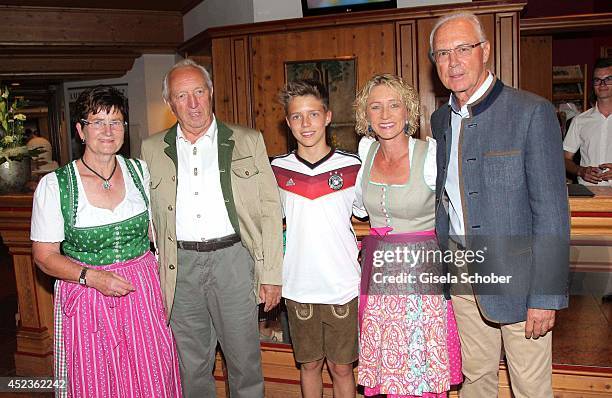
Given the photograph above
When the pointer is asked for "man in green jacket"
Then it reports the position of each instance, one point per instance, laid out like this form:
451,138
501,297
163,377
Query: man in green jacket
218,226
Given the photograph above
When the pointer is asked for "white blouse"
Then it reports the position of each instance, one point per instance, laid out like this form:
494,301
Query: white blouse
429,169
48,222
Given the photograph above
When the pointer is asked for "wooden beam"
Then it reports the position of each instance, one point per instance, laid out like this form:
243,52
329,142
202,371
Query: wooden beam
64,65
77,43
567,23
59,27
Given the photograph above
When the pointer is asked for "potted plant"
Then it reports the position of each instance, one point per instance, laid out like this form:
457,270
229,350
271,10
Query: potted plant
14,155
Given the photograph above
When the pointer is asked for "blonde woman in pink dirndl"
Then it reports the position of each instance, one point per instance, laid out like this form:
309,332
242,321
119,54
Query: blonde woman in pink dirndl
90,224
409,346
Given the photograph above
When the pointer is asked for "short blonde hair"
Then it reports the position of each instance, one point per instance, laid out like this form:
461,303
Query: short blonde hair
407,93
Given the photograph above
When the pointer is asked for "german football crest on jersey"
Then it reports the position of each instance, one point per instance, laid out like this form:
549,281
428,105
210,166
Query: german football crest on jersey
335,182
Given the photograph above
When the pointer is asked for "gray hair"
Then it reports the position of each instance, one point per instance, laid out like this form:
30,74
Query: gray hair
186,63
458,15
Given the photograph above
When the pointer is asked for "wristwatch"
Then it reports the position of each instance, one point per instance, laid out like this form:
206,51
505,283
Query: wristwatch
82,279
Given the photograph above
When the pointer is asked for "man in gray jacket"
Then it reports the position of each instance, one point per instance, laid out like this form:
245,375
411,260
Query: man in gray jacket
500,190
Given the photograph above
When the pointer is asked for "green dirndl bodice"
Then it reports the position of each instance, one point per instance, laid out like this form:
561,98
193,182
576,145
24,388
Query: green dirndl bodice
104,244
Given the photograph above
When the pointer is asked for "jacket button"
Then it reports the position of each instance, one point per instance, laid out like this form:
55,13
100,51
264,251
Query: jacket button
246,173
171,266
173,178
170,207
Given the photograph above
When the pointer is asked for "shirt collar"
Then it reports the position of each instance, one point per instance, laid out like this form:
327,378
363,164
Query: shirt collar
475,97
211,133
596,110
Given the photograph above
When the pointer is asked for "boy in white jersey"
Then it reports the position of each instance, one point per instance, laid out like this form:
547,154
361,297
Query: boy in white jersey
320,271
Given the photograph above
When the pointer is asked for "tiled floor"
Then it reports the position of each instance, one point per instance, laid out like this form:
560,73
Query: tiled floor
583,333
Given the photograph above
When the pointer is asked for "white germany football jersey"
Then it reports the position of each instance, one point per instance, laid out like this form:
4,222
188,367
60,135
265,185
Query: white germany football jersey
320,265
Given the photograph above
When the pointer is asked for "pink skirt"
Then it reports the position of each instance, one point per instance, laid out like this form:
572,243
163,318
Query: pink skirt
116,347
409,344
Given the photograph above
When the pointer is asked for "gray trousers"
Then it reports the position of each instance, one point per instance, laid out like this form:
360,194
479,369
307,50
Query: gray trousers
214,301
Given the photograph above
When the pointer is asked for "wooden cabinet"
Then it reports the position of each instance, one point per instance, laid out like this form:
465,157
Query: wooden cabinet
571,88
540,35
249,60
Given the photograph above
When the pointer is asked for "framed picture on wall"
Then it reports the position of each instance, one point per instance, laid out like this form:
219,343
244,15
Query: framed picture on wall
339,77
76,146
606,52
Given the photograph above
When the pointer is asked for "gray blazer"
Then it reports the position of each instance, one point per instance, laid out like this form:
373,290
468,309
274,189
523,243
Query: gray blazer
515,207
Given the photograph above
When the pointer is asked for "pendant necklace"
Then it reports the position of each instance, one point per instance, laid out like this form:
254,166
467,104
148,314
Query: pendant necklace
106,184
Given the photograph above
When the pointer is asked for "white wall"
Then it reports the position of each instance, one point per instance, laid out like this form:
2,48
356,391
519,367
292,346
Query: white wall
271,10
211,13
148,112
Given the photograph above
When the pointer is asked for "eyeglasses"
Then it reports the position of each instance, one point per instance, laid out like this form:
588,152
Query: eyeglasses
606,81
462,51
184,95
115,125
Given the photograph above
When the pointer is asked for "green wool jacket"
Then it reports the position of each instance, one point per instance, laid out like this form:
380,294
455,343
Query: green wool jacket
251,198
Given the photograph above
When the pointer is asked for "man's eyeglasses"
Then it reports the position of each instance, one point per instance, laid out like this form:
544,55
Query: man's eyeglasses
115,125
606,81
462,51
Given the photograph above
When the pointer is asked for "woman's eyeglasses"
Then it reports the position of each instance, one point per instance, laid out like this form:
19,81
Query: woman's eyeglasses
114,125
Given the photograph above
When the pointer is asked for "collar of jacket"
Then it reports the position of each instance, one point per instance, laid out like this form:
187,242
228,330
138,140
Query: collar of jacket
225,147
224,142
483,103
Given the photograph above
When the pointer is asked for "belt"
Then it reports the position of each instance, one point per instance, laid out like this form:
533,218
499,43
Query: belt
209,245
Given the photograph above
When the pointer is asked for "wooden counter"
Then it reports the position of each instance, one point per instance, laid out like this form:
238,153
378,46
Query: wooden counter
592,216
34,289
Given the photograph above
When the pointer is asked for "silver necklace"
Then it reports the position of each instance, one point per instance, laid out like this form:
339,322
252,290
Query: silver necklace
106,181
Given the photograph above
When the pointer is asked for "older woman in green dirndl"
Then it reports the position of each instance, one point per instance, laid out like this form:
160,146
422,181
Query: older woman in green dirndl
90,230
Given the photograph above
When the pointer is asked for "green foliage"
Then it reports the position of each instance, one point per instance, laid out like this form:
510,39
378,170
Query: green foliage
12,132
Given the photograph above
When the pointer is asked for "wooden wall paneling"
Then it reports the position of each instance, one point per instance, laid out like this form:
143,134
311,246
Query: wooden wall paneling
241,87
200,42
372,45
204,60
268,77
507,41
405,33
489,25
536,65
428,83
223,79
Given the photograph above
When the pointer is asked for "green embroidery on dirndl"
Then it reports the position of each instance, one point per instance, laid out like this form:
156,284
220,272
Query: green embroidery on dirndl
105,244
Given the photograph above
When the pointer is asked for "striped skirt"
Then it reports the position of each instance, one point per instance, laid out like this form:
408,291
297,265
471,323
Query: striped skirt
116,346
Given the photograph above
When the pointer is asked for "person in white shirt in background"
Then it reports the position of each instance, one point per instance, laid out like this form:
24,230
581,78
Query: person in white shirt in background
591,133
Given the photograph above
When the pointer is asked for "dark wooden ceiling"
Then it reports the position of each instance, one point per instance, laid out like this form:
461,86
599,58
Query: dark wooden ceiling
55,43
182,6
